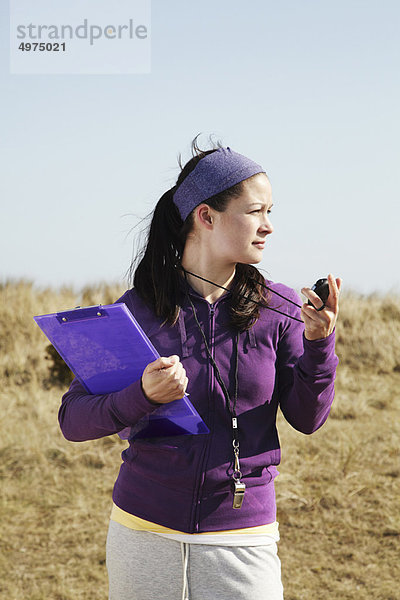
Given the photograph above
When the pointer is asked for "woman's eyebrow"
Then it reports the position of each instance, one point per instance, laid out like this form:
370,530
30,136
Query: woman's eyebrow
262,204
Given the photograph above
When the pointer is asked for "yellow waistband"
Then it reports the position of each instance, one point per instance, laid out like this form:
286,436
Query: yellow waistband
128,520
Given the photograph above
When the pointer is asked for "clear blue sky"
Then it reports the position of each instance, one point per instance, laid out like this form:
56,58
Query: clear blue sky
310,89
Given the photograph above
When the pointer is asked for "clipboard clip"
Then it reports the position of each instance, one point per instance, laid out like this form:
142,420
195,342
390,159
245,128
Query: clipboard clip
81,314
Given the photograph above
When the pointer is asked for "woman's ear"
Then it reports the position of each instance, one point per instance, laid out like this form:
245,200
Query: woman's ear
203,213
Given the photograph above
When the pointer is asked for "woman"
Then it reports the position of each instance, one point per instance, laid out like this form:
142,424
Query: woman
194,516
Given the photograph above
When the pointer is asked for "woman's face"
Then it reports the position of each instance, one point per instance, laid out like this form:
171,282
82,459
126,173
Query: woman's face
239,233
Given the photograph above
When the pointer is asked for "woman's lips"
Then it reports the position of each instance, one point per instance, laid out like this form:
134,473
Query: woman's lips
259,244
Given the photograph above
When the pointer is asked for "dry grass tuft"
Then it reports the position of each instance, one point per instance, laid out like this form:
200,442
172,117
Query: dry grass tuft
337,494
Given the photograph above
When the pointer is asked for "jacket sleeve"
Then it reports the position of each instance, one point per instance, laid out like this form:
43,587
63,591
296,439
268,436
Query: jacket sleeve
83,416
306,371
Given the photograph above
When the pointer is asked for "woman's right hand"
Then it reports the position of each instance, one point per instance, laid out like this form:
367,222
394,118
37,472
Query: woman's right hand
164,380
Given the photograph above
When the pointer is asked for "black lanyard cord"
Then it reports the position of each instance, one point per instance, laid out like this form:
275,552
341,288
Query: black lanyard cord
251,299
239,486
232,411
233,414
277,293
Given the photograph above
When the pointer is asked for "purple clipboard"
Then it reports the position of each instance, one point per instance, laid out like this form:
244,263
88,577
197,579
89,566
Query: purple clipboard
107,350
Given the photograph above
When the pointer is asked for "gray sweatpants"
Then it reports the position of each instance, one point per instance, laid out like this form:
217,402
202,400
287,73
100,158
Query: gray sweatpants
145,566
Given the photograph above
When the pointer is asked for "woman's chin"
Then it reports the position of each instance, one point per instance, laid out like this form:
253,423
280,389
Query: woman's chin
251,261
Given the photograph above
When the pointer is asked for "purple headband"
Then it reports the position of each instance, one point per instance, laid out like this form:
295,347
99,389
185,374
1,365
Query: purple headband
214,173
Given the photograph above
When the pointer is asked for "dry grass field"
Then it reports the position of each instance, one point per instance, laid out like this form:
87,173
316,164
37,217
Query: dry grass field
338,492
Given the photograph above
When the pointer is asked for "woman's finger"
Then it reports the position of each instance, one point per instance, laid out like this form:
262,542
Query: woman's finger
176,374
183,384
312,297
309,312
334,291
161,363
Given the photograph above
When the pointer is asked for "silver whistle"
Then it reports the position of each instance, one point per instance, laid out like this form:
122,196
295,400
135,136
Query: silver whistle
238,494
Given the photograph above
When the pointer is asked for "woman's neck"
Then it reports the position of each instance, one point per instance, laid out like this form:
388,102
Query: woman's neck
219,274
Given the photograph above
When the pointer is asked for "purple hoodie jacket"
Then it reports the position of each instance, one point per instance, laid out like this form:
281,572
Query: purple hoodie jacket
184,482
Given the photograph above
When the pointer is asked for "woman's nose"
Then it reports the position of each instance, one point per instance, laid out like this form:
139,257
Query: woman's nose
267,226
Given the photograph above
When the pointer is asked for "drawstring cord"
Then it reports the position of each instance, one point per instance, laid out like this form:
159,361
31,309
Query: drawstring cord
185,562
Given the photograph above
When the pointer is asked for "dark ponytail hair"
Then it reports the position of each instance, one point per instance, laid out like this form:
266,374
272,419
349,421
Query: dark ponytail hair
157,275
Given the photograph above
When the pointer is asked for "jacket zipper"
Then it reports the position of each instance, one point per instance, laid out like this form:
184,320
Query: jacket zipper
211,411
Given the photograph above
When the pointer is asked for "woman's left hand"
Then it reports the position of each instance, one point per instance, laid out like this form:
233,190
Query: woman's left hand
320,324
